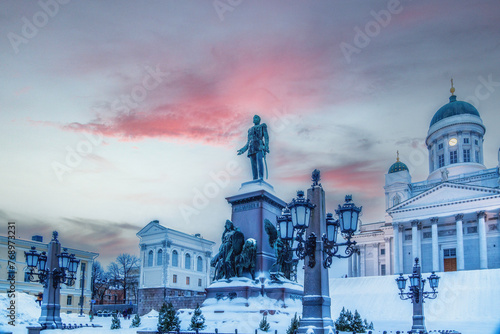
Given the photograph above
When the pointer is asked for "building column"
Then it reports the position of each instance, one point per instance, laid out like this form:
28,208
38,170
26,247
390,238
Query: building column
376,262
414,239
460,242
355,259
435,244
400,248
419,243
349,265
460,145
481,228
362,272
358,263
395,230
388,265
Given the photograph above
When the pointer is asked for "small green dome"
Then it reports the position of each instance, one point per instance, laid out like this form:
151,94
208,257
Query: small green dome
398,166
454,108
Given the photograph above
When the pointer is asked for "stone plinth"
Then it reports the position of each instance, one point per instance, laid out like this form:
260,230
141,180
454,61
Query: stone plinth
255,202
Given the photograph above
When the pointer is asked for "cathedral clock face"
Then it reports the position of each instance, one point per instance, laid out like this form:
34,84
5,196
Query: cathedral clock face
453,142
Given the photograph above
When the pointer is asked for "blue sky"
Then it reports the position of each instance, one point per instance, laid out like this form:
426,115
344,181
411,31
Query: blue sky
115,113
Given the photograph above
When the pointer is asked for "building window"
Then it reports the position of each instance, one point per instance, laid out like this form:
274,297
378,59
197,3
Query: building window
69,300
199,281
471,229
199,264
476,142
174,279
11,275
175,258
466,155
27,276
466,140
187,261
453,157
440,160
477,156
187,280
451,252
150,258
382,251
396,200
440,146
382,269
159,258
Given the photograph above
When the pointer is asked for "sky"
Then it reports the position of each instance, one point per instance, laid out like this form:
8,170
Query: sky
114,114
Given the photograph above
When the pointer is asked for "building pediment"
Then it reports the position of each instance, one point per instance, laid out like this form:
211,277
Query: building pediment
152,228
446,194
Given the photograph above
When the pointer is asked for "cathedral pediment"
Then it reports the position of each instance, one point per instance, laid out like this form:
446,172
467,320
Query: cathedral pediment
446,194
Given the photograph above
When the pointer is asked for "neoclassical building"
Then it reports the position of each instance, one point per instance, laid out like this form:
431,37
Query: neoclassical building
175,266
450,221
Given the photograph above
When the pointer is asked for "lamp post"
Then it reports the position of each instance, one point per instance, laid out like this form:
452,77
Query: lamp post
51,270
308,215
417,294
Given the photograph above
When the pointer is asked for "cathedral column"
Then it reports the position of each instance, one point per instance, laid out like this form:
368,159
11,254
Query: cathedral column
460,242
414,239
400,250
460,151
419,244
435,244
376,262
388,256
446,150
481,228
362,267
395,228
358,263
355,259
349,266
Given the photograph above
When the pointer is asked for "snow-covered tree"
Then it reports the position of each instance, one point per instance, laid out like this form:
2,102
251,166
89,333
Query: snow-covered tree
168,319
115,322
357,324
197,320
264,324
136,322
294,325
343,322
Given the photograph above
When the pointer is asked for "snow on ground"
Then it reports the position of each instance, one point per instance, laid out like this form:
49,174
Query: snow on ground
468,301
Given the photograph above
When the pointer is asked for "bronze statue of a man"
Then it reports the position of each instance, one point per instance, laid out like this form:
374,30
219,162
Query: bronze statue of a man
257,146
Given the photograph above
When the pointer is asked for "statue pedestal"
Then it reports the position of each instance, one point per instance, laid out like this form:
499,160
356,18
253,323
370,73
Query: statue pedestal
255,202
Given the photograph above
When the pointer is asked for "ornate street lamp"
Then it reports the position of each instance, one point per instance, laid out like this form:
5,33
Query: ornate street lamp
51,271
417,294
296,218
348,223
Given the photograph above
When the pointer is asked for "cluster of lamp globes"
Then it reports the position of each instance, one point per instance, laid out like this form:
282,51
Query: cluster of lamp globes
417,284
295,219
67,263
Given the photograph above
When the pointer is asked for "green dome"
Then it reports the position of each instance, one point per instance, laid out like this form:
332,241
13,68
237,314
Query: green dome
398,166
454,108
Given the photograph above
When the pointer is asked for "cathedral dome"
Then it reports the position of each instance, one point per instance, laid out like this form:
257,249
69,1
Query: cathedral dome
398,166
454,108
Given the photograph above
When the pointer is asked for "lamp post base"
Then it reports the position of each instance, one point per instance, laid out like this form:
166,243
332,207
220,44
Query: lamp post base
418,324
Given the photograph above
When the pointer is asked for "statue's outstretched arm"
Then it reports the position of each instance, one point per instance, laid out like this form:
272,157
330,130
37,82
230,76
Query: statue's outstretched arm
243,149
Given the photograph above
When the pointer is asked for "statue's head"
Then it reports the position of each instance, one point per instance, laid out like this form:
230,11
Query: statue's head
256,119
229,224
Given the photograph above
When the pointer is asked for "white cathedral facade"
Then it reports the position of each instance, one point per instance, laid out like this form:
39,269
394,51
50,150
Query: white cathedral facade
449,221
